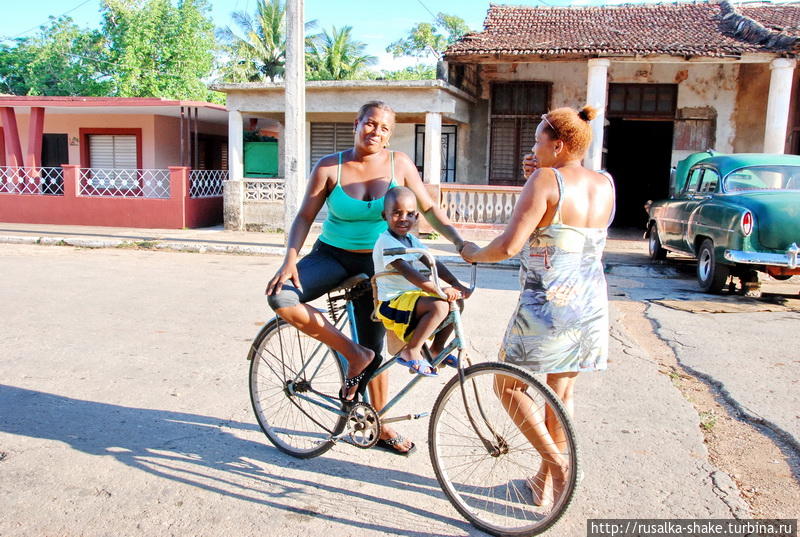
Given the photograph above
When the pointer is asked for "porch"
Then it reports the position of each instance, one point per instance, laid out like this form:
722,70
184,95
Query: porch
479,212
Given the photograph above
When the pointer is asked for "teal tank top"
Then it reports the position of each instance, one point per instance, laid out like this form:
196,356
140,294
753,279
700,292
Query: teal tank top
353,224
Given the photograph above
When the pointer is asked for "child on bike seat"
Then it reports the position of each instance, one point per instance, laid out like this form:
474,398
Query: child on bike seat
408,303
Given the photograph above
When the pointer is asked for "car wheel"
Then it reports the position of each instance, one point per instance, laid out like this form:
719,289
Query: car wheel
657,253
710,275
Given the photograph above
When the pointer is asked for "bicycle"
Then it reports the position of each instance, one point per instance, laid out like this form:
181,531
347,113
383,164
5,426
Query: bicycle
481,457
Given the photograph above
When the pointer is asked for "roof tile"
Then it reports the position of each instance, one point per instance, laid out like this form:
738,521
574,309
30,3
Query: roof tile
681,29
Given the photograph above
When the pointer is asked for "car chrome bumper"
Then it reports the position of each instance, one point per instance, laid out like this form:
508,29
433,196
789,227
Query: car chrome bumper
789,259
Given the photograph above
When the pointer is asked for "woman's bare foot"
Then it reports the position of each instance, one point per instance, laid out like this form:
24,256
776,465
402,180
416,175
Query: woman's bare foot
541,486
355,368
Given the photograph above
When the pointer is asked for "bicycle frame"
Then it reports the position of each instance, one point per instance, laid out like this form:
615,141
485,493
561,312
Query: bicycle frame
459,343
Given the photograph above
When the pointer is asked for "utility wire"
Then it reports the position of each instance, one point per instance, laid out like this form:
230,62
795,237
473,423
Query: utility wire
42,24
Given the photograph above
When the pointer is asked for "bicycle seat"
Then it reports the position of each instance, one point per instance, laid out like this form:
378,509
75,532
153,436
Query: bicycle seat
350,282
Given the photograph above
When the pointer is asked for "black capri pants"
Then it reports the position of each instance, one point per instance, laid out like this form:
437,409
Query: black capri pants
323,269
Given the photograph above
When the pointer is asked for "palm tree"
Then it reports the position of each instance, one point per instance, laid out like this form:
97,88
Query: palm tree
258,51
336,56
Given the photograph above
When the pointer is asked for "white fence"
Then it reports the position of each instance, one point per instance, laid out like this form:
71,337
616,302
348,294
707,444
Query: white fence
124,183
36,181
478,204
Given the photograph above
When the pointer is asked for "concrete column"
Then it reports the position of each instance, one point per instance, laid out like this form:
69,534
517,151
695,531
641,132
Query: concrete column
235,146
13,147
281,151
295,115
33,158
596,94
779,100
433,148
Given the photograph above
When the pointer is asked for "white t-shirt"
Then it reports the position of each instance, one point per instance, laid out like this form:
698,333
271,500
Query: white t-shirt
394,285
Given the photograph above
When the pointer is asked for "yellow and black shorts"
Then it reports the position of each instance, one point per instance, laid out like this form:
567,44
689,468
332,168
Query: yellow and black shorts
397,314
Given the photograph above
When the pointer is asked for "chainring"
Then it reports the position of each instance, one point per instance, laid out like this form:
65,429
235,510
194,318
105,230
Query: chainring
364,425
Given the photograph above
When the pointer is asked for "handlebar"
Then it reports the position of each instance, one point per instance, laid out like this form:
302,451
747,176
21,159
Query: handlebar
432,260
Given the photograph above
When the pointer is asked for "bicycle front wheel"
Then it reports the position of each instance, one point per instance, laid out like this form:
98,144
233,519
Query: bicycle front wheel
294,386
482,435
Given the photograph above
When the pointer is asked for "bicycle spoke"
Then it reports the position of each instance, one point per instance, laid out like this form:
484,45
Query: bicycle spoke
488,484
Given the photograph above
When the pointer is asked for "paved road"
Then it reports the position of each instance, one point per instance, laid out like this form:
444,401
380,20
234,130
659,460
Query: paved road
744,346
124,411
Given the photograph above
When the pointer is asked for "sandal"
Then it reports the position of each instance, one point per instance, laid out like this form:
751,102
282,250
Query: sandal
389,445
361,380
451,360
418,366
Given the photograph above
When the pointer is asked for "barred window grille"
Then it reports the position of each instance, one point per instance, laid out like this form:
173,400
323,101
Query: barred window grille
517,108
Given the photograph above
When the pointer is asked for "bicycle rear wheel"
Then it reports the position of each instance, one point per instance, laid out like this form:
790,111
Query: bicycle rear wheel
481,457
294,386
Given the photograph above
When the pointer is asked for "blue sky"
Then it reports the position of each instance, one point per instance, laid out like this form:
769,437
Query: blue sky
386,22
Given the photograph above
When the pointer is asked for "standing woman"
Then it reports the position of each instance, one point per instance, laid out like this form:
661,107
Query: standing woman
560,325
353,183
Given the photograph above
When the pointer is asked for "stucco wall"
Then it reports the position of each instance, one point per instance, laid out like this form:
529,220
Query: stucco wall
699,85
751,107
160,134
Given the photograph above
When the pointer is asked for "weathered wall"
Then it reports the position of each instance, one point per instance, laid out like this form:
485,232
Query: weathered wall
699,85
472,167
751,107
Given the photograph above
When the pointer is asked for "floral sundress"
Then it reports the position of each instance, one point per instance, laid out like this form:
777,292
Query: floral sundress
561,320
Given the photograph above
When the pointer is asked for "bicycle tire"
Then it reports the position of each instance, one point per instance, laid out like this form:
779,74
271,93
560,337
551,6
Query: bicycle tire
295,426
490,491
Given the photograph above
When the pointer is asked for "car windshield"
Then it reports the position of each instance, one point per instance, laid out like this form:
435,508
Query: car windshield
763,178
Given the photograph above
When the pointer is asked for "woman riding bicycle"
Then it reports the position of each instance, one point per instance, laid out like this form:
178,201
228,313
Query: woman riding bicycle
353,183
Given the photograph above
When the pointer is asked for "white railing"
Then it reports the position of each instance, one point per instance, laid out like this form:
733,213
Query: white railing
263,189
206,183
26,180
478,204
124,183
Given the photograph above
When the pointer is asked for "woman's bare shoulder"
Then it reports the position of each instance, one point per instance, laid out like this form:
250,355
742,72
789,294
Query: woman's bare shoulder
328,161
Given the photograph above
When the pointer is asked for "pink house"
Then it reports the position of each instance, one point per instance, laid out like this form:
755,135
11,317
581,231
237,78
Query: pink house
110,161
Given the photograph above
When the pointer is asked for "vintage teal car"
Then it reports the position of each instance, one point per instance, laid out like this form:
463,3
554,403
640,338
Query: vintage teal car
737,214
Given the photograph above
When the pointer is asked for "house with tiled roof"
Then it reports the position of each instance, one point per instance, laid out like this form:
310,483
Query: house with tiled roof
668,79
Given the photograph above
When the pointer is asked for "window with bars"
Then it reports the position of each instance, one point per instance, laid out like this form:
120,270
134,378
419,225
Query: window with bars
449,143
642,100
516,109
327,138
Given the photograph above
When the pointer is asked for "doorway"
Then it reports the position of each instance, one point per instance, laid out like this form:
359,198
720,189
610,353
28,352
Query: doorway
639,155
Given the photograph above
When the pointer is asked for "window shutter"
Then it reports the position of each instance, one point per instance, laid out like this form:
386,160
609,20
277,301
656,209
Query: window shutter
109,151
327,138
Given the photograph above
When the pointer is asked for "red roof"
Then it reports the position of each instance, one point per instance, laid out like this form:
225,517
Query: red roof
680,29
35,100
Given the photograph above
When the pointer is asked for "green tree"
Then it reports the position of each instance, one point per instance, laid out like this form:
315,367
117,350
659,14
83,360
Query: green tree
158,49
336,56
416,72
426,39
62,59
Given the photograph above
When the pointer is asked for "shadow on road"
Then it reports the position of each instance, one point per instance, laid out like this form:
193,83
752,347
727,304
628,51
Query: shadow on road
199,451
